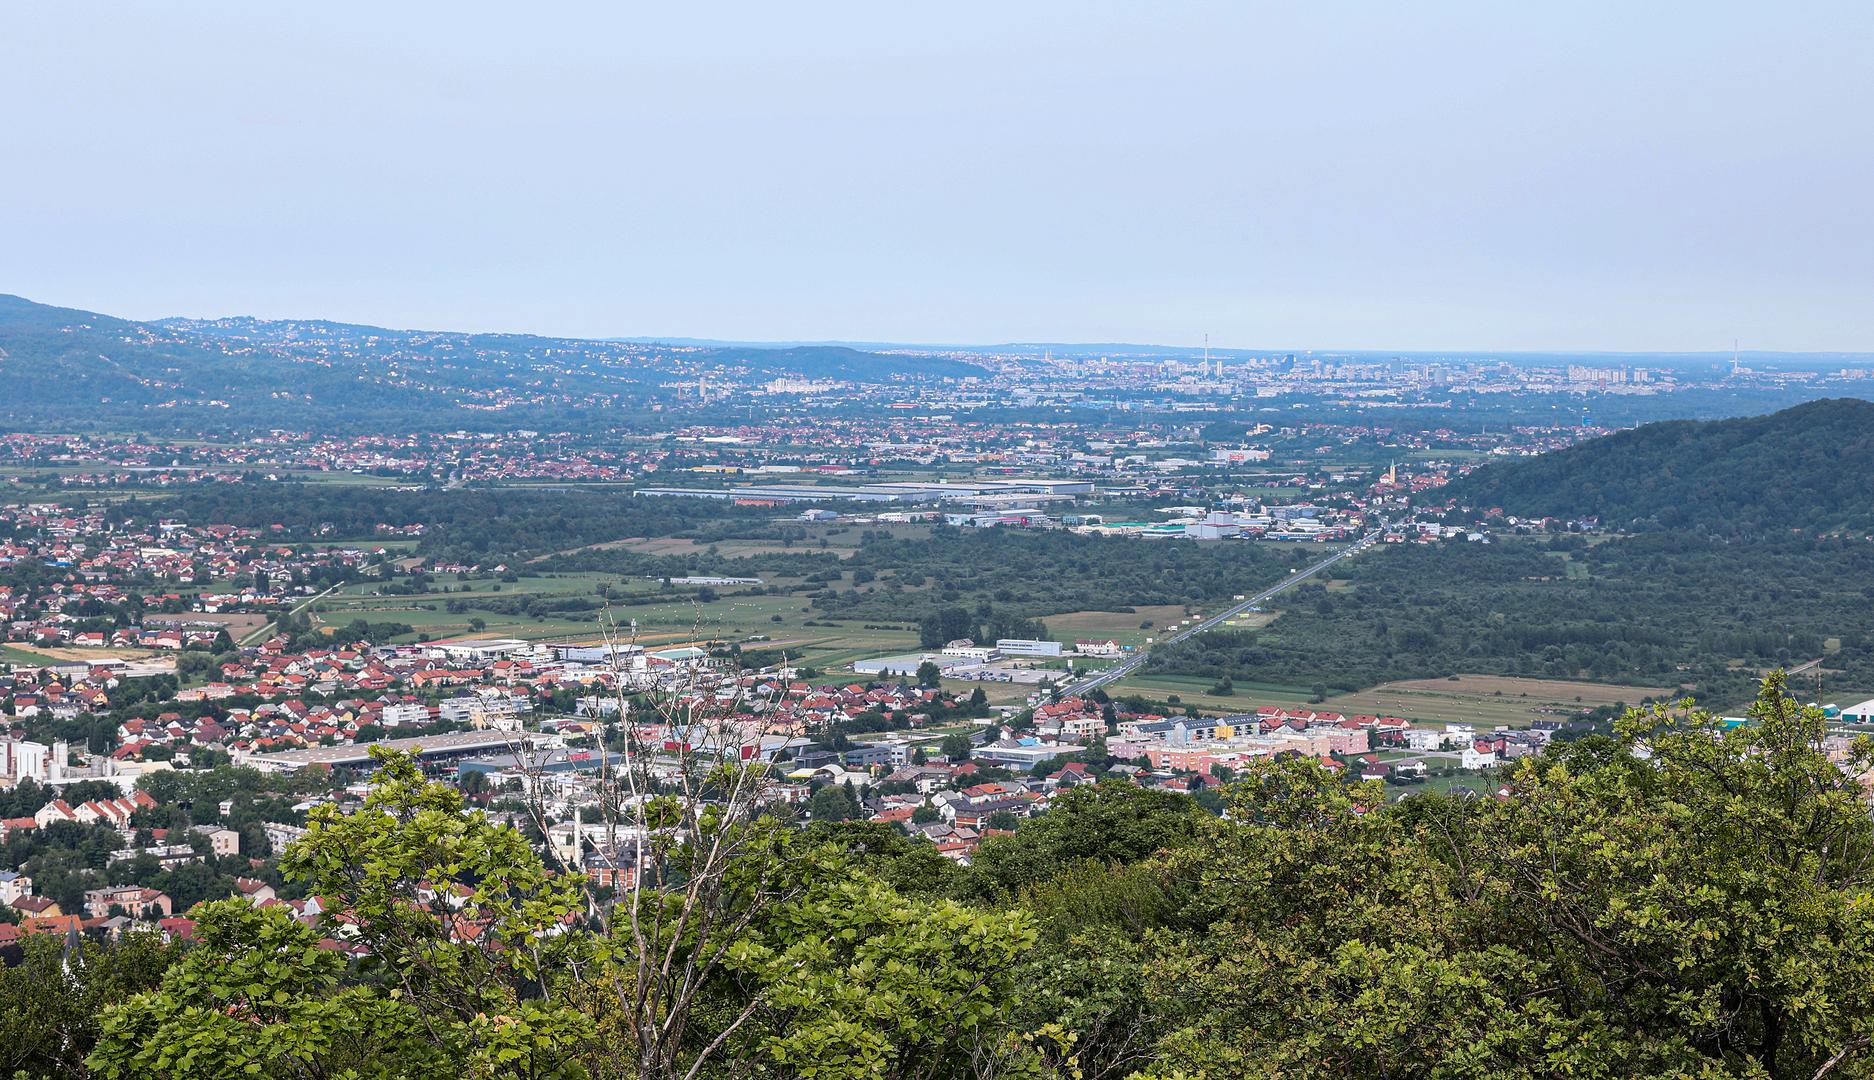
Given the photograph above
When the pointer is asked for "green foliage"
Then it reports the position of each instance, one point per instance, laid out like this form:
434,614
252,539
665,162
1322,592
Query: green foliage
1804,468
993,583
256,995
912,867
860,983
1657,610
928,674
1102,823
1680,899
1699,914
460,909
52,1003
462,926
831,803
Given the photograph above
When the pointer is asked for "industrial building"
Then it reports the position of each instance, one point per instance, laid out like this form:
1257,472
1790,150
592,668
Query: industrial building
427,748
1026,647
894,492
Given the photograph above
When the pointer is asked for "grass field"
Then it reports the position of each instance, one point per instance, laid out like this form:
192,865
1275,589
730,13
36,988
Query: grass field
839,540
733,616
730,549
13,654
1483,700
1487,700
1194,691
1121,626
995,693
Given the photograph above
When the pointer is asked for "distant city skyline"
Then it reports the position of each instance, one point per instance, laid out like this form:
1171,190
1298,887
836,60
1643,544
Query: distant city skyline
1593,177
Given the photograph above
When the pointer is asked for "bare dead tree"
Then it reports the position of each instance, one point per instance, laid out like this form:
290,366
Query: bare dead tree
690,843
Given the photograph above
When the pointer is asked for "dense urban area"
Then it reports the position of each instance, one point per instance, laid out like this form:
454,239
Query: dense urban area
619,708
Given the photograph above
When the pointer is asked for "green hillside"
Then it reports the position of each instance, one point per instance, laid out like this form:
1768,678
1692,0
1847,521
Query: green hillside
1808,468
71,369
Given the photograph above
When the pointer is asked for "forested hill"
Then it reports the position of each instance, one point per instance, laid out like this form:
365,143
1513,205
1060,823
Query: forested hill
66,368
1808,468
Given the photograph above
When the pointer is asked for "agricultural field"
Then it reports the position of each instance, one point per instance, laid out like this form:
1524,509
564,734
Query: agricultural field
643,609
1482,700
13,654
1122,626
840,540
1487,700
59,654
237,624
1194,691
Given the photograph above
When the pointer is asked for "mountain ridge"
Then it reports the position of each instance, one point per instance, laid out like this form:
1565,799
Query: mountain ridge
76,367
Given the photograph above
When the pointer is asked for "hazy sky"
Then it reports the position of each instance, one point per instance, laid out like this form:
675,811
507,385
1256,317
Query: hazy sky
1387,175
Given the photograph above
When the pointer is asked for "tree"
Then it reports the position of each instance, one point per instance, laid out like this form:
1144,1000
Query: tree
946,625
830,803
460,923
1104,823
863,983
956,747
54,998
231,1007
1697,912
929,674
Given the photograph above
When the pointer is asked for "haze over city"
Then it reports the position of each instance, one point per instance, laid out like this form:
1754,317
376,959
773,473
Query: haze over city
1586,176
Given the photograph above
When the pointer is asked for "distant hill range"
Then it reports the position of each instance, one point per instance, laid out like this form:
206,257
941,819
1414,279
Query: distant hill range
1805,469
62,366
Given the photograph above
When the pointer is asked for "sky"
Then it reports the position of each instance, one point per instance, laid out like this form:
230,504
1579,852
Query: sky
1384,175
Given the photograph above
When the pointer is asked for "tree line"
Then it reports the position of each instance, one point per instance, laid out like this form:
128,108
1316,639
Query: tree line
1661,610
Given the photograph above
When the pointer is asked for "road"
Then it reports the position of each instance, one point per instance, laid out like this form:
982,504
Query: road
263,631
1133,661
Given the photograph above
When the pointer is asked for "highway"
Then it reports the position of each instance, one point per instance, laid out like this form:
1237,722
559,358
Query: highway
1135,660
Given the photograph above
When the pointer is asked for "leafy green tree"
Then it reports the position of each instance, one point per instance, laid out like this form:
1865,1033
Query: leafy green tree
882,851
831,803
53,1000
1695,909
463,934
1104,823
858,982
256,995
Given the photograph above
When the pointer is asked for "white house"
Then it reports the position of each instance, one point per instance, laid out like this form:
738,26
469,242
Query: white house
965,649
1472,758
14,885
